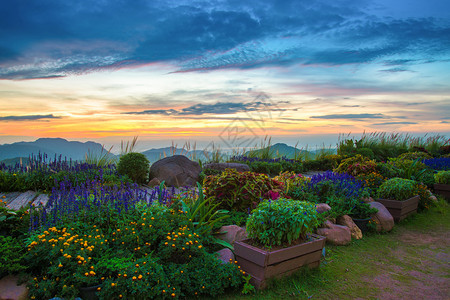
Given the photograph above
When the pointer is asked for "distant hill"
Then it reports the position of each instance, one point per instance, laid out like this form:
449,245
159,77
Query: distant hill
14,161
281,149
71,149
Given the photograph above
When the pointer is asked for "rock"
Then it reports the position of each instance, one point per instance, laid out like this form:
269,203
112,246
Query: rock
367,200
222,166
177,170
10,290
383,218
336,234
232,233
322,207
433,198
154,182
225,255
348,222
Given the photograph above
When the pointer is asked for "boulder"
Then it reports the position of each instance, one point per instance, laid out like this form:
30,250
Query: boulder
154,182
335,234
322,207
177,170
10,290
225,255
383,218
222,166
348,222
232,233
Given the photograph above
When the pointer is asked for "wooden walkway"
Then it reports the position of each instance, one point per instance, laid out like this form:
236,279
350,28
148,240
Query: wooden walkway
17,200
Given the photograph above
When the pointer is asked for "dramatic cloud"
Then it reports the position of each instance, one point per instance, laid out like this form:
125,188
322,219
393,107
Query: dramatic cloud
395,123
28,118
350,116
57,38
219,108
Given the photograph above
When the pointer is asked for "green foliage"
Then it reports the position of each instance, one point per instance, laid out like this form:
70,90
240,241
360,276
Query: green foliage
291,180
372,181
363,211
384,145
270,168
11,259
202,212
152,251
415,155
248,287
356,165
399,189
388,170
14,223
282,221
442,177
414,170
241,190
134,165
209,172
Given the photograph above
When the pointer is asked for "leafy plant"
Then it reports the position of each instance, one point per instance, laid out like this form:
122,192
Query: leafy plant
399,189
363,211
356,165
442,177
13,222
11,258
204,214
241,190
134,165
282,221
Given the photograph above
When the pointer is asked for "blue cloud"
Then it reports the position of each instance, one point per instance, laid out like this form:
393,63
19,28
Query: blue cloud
350,116
395,123
28,118
75,37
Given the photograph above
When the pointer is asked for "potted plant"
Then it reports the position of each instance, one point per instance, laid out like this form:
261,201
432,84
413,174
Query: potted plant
280,240
442,185
361,215
399,196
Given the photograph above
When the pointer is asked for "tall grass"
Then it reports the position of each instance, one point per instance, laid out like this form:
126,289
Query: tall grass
102,159
129,146
382,145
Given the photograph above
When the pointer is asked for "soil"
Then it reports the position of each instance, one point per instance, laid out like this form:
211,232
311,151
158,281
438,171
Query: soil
417,268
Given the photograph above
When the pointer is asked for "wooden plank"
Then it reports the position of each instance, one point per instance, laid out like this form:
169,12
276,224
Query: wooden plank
250,253
11,196
22,200
293,251
41,200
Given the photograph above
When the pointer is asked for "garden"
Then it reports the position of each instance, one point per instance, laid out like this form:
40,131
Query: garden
104,233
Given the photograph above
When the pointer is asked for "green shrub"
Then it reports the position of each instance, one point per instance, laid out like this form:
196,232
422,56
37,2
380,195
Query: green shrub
135,166
414,170
11,258
356,165
241,190
415,155
399,189
282,221
442,177
269,168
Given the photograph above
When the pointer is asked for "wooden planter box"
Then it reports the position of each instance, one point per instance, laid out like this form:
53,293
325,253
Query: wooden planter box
443,190
401,209
262,265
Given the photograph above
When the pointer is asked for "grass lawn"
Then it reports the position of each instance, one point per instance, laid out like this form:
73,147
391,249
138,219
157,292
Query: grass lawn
412,261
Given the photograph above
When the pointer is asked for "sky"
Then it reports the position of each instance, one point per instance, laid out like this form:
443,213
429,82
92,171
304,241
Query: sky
229,72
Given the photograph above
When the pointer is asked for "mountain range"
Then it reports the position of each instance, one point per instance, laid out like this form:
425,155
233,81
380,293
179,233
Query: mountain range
12,153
